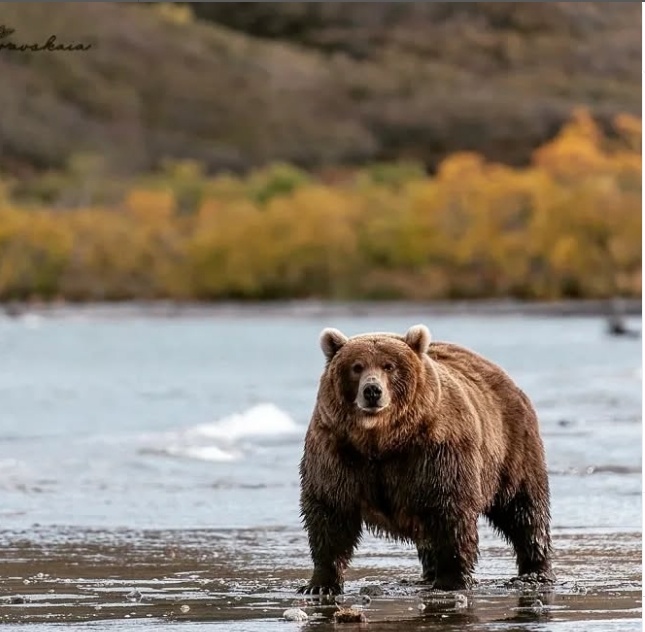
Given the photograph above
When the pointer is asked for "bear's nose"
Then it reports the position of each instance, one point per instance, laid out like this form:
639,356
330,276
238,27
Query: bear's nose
372,393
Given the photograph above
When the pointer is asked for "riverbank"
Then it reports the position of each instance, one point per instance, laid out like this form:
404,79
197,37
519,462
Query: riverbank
317,309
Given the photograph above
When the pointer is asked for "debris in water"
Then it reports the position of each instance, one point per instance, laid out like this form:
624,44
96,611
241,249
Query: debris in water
295,614
349,615
616,327
185,609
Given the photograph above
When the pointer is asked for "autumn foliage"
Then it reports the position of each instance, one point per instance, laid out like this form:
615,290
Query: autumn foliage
568,225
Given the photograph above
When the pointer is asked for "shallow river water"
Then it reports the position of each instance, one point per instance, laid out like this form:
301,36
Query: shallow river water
148,475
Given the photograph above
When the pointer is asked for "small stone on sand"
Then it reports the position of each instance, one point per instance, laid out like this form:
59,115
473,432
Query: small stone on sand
461,601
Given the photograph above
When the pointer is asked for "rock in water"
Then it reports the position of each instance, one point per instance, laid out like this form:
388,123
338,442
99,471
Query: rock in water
371,591
295,614
537,607
134,595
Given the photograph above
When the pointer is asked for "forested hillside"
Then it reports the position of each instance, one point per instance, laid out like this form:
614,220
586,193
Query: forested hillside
237,85
330,150
567,226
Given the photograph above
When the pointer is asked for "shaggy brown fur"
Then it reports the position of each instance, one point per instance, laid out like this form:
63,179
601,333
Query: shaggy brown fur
416,440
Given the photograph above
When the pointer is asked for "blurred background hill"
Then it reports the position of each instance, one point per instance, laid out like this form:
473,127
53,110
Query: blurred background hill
236,85
330,150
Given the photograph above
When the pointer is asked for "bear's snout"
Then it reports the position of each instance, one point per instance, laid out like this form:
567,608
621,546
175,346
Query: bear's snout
372,395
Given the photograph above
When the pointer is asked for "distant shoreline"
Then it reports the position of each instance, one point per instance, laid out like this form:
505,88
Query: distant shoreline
317,309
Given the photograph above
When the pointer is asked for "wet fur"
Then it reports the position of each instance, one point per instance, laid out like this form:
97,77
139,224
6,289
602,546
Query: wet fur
459,440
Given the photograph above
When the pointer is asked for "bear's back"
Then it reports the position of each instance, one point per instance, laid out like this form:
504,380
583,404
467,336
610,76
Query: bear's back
506,414
472,367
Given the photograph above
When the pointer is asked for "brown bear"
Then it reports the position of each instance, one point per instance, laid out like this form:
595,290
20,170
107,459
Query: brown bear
416,440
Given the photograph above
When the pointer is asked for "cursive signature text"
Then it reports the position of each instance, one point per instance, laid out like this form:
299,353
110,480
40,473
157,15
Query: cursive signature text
50,45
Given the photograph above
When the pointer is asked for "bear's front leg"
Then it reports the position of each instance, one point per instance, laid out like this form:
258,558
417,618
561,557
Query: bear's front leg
447,490
456,551
333,535
428,562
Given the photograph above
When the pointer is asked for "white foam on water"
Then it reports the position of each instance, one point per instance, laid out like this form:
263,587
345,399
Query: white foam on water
8,465
31,321
262,420
221,441
16,475
201,453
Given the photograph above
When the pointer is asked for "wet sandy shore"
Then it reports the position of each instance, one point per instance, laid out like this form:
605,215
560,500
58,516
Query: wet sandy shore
246,579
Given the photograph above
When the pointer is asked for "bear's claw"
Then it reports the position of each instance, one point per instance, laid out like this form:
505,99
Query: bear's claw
544,577
454,583
320,590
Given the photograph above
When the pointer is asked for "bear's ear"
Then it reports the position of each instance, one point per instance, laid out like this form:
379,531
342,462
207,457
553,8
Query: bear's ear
331,340
418,338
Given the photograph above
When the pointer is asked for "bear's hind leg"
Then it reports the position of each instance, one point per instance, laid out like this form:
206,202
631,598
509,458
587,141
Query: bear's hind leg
456,553
524,521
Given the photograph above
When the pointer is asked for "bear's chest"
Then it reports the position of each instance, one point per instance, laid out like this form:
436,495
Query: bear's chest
389,501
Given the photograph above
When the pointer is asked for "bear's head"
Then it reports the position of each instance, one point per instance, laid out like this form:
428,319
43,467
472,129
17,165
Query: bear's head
373,377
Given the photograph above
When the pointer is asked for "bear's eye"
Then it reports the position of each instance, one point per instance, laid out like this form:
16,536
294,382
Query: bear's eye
357,368
388,367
